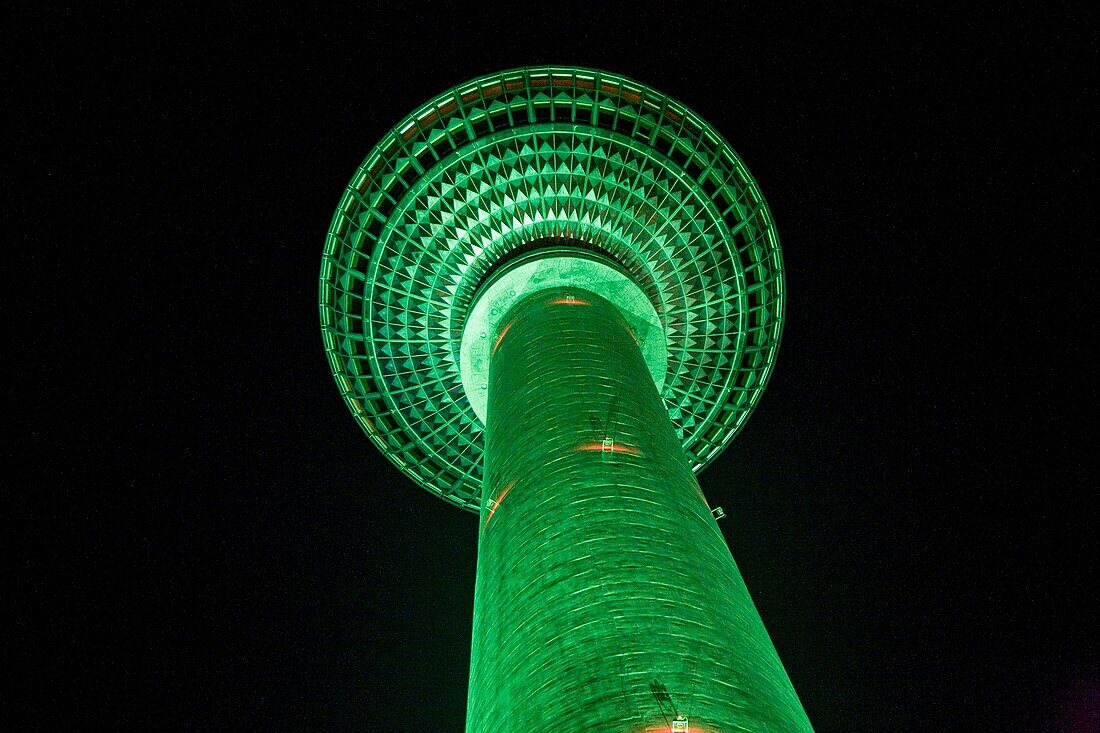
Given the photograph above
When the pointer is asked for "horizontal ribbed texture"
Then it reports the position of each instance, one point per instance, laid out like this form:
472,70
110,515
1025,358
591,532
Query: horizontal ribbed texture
600,566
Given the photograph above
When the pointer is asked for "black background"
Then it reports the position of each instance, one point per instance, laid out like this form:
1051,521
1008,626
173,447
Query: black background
204,540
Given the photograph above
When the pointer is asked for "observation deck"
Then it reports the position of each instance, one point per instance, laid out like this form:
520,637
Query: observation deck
532,159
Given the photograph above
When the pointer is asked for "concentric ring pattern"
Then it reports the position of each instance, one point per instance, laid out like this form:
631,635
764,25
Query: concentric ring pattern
520,156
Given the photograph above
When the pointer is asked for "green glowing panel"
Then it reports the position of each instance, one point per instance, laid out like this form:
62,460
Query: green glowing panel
484,170
542,270
606,597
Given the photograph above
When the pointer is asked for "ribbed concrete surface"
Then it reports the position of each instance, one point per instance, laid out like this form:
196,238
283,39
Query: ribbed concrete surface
600,567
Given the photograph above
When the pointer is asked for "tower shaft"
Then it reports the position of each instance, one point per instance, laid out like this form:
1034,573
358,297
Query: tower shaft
603,580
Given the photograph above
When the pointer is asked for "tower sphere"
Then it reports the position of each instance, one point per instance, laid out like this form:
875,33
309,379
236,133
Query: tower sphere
510,171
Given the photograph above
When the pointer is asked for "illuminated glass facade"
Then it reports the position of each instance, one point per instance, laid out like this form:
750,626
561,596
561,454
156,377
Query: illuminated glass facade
551,296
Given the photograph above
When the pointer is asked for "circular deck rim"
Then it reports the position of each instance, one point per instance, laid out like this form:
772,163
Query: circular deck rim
423,149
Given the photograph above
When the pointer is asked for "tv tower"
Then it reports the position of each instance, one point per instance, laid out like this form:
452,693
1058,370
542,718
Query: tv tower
551,296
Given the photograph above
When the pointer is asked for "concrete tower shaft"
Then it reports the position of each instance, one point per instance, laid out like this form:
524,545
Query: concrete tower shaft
602,576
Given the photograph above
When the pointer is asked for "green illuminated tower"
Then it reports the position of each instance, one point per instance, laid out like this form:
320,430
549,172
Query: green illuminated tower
551,296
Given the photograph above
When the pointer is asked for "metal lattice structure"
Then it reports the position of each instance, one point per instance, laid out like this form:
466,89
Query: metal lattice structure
487,168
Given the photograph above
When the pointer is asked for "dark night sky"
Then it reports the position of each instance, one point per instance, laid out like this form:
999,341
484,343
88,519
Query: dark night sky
203,538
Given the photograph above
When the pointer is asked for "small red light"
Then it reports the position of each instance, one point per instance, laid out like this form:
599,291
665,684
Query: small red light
702,496
569,301
496,502
500,336
597,446
664,728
